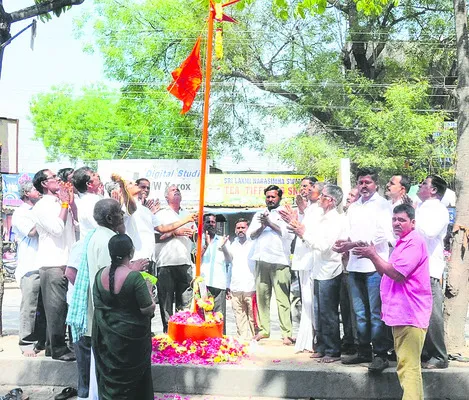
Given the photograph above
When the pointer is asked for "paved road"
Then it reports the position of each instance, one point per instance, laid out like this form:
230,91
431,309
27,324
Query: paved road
12,301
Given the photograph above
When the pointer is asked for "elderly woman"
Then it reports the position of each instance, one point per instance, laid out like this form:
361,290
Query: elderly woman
327,270
121,338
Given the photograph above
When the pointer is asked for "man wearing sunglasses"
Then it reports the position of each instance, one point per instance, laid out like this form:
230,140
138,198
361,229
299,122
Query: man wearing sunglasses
54,224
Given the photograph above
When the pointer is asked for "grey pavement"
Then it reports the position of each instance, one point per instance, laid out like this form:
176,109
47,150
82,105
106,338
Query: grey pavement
271,371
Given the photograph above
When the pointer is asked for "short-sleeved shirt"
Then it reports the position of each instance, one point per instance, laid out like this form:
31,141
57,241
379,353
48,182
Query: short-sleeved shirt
408,302
85,205
177,250
140,226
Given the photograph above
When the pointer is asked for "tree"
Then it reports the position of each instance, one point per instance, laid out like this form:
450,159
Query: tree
389,135
457,290
103,123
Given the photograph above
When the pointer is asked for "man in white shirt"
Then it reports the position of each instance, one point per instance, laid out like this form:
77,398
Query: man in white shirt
173,255
369,220
87,183
397,189
302,261
32,329
214,267
431,221
272,243
242,282
54,224
320,237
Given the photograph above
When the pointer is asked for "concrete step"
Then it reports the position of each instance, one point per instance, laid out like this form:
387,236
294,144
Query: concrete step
273,371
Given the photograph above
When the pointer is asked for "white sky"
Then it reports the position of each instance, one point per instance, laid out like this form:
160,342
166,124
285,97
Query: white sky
57,59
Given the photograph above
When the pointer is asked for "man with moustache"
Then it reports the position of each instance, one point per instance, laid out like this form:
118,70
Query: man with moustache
272,242
406,296
302,261
214,268
54,224
352,197
173,254
152,204
369,221
397,189
241,281
431,221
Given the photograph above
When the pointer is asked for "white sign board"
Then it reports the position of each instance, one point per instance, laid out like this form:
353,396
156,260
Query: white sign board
161,174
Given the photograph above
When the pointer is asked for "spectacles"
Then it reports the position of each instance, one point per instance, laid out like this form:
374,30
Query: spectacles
326,196
51,177
144,187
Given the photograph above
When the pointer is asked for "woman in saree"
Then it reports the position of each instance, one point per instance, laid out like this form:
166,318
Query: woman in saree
121,338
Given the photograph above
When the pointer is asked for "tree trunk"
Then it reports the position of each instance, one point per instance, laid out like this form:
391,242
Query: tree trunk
457,291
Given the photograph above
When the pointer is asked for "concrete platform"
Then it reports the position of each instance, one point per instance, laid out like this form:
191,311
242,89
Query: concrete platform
273,371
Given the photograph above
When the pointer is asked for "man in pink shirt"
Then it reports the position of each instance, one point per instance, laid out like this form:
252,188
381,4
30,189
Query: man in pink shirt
406,297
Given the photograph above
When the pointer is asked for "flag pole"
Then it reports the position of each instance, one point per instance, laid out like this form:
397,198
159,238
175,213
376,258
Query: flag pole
203,152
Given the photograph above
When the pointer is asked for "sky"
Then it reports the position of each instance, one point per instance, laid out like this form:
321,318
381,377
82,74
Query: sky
58,58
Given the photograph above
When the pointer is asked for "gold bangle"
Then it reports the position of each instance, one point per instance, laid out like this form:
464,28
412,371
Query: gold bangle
64,204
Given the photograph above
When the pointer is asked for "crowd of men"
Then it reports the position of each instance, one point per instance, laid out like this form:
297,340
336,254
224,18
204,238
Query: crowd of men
379,262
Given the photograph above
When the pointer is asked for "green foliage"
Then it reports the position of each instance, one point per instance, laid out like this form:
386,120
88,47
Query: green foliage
397,134
100,123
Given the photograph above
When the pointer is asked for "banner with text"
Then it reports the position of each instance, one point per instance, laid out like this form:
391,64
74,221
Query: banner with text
161,174
247,190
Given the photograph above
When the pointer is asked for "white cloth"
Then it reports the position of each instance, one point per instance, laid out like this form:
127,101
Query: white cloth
214,268
22,222
329,228
431,221
55,237
269,246
177,250
85,206
74,260
98,258
304,339
241,270
303,256
140,226
370,221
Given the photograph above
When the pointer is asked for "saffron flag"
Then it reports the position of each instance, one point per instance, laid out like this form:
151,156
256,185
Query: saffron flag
187,79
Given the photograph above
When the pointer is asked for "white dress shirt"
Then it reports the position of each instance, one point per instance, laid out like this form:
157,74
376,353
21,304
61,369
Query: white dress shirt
22,222
85,206
271,247
369,221
140,226
176,250
330,227
303,256
242,268
55,237
431,221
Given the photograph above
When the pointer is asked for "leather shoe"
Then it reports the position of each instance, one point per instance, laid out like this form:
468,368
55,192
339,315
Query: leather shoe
358,359
378,365
66,357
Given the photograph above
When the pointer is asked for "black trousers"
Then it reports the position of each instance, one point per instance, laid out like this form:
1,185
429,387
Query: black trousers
54,286
173,290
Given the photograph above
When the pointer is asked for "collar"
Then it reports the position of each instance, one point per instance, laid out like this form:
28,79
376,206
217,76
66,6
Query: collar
407,237
371,199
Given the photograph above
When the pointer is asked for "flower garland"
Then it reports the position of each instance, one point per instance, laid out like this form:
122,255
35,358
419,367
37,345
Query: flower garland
205,352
